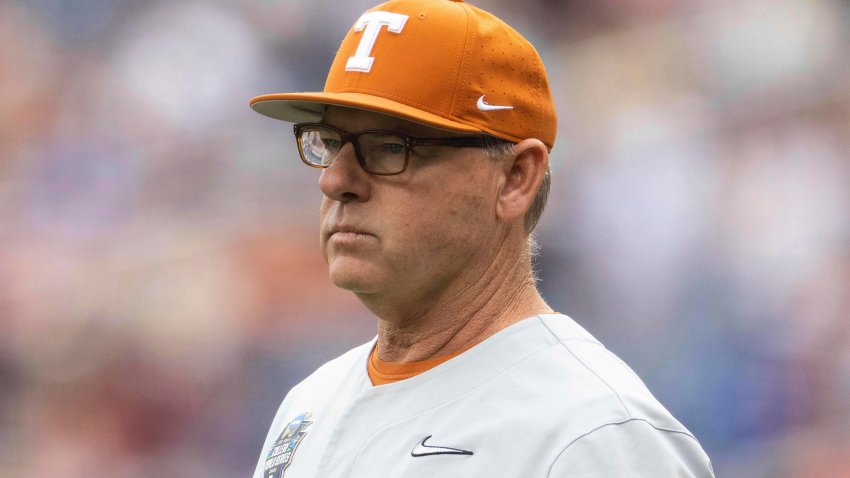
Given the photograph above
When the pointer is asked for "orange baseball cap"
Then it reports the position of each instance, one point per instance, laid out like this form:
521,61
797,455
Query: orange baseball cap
442,63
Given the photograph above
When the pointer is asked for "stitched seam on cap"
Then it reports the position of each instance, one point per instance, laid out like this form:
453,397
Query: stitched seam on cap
461,81
539,83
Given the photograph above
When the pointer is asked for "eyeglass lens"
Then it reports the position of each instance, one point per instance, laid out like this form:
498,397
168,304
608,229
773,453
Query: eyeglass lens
381,153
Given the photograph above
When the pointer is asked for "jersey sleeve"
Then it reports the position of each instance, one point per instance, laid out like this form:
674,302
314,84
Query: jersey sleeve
273,433
633,449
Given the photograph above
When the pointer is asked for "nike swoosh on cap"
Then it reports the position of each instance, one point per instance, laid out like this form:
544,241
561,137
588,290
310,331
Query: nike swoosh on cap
483,106
423,449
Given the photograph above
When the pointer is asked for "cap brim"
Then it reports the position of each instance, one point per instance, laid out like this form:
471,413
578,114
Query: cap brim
308,107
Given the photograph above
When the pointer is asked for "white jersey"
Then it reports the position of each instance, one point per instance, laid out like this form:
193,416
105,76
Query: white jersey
541,398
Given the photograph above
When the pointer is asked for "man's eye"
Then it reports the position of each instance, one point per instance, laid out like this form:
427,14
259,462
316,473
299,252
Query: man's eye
394,148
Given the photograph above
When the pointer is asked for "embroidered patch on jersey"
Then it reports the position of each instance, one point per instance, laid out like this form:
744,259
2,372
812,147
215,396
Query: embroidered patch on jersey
282,450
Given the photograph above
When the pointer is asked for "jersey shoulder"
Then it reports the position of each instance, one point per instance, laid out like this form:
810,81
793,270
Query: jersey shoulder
345,370
634,448
603,407
611,385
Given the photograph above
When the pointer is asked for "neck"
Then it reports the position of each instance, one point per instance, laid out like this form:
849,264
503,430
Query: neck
461,318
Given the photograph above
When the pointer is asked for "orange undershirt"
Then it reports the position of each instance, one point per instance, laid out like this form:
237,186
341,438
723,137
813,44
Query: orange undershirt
381,373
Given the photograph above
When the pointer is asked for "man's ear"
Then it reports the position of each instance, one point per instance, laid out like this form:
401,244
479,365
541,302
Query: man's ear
524,171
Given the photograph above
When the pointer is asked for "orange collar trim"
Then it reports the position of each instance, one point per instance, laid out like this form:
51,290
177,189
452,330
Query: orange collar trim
381,372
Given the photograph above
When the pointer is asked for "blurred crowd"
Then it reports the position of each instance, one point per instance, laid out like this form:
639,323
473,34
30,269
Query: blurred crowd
161,285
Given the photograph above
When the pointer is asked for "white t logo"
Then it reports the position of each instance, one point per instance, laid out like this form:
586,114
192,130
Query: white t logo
372,22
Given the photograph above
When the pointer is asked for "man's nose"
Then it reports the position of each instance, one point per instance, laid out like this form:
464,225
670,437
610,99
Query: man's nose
345,180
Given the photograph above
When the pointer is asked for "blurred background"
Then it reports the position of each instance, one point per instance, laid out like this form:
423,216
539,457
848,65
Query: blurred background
161,286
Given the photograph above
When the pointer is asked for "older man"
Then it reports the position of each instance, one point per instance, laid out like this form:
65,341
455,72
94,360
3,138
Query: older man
433,135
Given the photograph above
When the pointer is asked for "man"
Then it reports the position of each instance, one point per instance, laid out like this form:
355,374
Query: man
433,134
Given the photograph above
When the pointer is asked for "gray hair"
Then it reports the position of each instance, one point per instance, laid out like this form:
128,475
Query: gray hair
497,148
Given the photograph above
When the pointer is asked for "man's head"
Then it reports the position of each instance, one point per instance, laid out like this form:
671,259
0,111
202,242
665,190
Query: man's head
442,63
448,215
433,131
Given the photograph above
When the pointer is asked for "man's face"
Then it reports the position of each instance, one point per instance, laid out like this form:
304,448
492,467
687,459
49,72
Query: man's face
412,236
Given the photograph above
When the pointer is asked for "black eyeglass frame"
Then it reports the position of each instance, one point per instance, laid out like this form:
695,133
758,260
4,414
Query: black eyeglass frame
410,142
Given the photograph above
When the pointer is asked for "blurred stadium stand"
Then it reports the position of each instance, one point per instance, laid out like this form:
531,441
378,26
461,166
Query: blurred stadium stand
161,287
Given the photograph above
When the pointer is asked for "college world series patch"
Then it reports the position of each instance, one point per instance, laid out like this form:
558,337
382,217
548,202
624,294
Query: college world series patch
282,450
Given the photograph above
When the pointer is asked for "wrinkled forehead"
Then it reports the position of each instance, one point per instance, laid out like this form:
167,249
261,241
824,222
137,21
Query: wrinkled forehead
354,120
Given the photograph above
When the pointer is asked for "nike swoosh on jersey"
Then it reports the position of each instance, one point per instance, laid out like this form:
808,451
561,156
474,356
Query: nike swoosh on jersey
423,449
488,107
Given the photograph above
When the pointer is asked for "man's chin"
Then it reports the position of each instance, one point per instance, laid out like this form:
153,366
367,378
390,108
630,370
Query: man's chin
354,278
352,285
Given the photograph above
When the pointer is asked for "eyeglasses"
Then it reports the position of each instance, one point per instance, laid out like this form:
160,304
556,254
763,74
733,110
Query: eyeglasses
383,153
